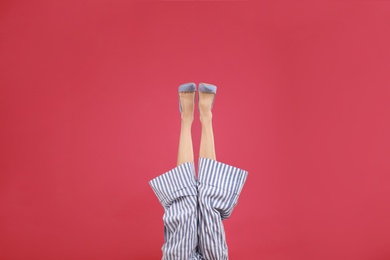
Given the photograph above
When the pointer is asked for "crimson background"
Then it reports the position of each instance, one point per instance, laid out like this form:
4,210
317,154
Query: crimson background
89,114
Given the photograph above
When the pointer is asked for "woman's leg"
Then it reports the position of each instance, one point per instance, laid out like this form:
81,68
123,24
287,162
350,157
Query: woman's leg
177,192
218,189
186,152
207,148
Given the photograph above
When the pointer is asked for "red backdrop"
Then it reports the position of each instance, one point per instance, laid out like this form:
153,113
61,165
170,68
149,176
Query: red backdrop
89,114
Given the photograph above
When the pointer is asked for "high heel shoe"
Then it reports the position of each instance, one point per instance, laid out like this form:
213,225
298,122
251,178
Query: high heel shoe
186,87
208,88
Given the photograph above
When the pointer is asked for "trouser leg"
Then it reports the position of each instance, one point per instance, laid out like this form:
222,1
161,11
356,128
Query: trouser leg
219,187
177,192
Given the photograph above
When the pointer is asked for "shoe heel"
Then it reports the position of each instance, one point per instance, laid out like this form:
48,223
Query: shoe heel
208,88
186,87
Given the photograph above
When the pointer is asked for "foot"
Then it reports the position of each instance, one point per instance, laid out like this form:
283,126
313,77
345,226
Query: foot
205,105
187,105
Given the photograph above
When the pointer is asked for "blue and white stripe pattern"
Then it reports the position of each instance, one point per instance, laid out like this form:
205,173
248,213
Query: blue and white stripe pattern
218,190
194,210
177,192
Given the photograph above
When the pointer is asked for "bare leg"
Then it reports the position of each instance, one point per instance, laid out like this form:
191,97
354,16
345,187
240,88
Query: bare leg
186,152
219,186
207,148
177,192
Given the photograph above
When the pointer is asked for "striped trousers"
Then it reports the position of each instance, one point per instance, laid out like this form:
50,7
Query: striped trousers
194,208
